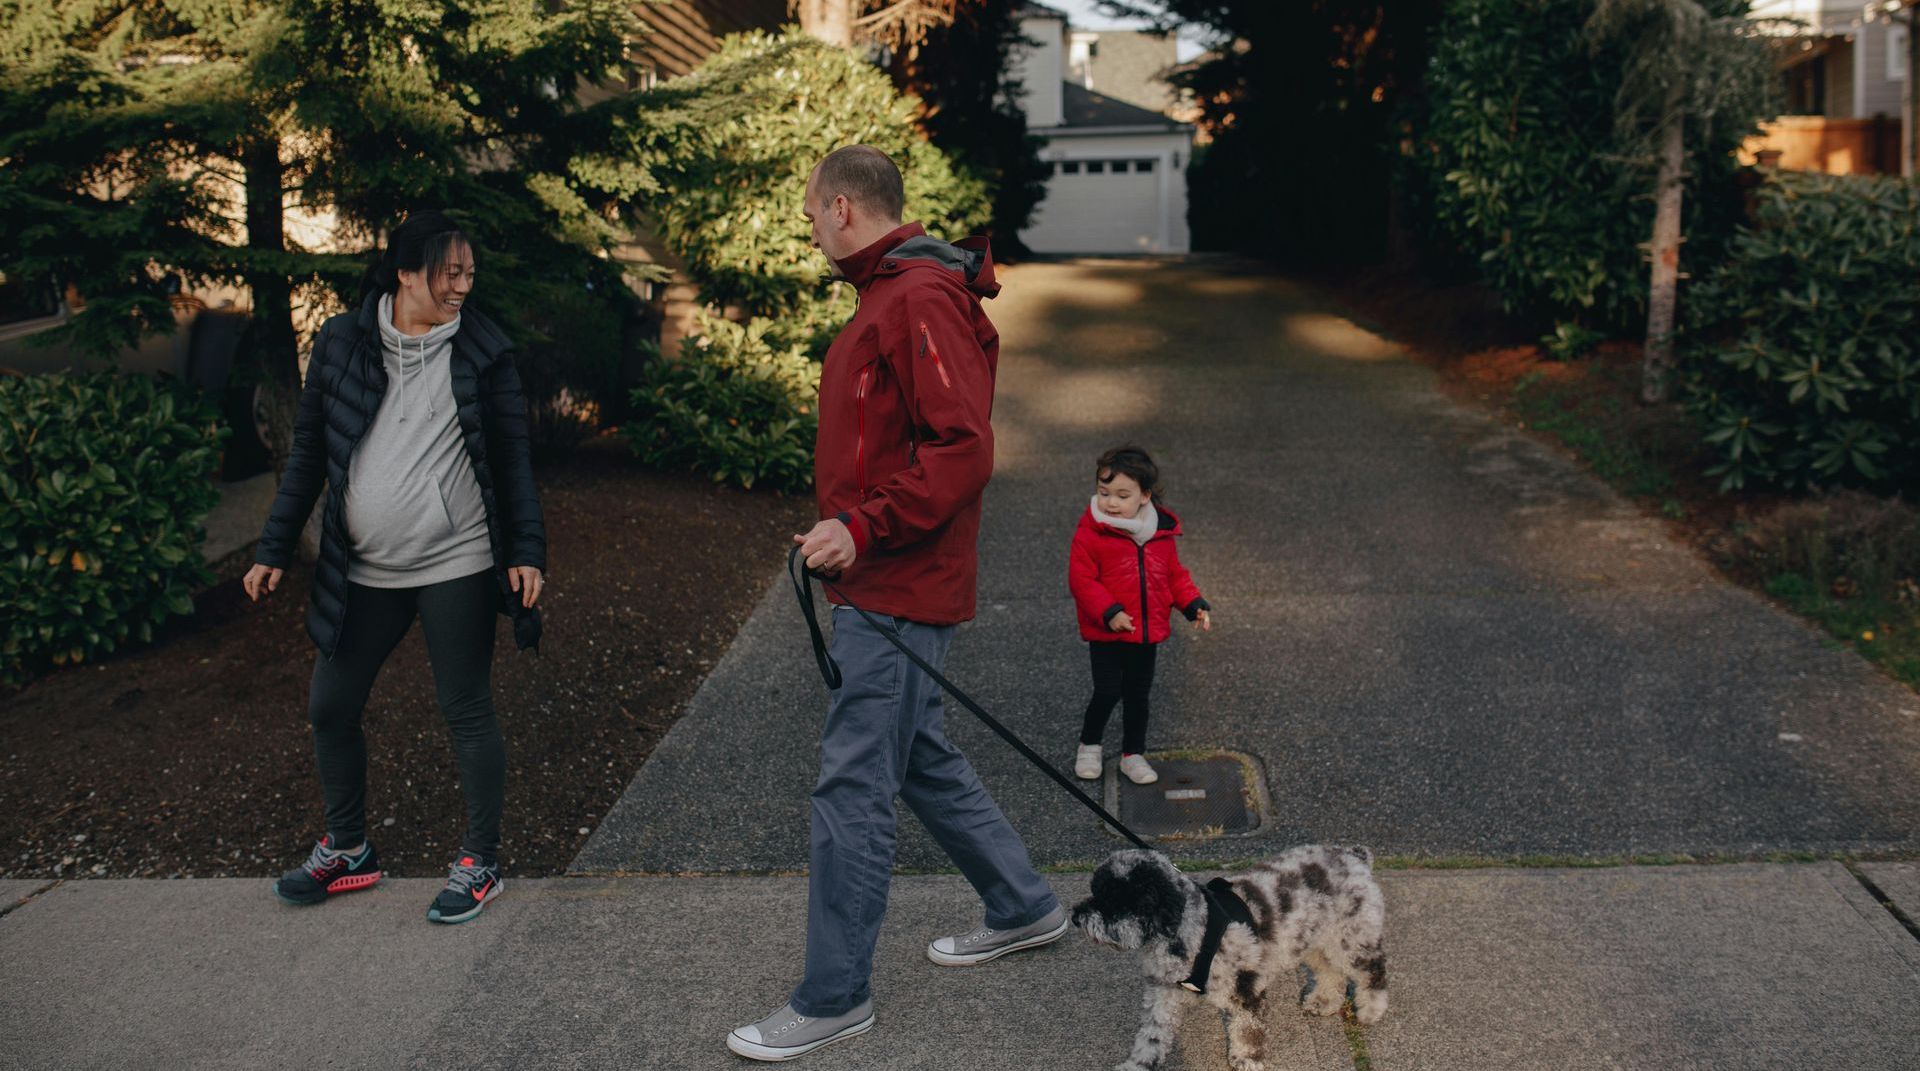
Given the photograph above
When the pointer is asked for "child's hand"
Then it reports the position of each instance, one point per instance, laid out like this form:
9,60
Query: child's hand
1205,620
1120,622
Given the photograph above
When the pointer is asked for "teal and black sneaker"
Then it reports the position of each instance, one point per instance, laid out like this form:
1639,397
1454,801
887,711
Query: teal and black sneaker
470,885
327,872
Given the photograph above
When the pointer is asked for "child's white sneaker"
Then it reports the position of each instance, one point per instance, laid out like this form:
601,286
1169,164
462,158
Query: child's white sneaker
1137,770
1086,762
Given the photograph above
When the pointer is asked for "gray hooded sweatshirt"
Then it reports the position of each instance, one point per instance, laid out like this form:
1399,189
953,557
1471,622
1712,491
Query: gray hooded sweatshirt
414,512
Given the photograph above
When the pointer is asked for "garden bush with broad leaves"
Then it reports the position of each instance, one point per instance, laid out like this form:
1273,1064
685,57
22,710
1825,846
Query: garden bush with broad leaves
104,482
730,147
737,405
1520,162
1803,348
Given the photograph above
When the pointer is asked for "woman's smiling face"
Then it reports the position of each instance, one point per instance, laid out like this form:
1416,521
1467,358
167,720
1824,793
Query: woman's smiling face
434,294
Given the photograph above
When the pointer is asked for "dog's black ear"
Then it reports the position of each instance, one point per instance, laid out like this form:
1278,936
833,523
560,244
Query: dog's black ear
1160,900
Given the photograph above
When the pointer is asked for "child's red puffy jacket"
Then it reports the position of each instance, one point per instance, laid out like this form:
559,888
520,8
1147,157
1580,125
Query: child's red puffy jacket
1109,572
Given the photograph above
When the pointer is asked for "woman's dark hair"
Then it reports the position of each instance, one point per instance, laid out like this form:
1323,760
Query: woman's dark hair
1133,462
422,242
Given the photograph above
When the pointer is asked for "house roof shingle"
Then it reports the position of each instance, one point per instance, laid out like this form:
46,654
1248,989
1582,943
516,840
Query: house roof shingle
1084,107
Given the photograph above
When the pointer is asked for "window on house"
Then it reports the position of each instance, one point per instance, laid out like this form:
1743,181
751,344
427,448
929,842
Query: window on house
1143,167
1069,167
1096,167
1119,167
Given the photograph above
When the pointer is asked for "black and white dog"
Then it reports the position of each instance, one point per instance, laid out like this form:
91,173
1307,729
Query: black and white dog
1315,905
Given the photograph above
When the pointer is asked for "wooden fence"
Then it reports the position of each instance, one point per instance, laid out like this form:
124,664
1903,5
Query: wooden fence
1836,146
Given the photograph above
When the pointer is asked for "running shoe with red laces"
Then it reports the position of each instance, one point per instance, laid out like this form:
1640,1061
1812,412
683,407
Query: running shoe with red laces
327,872
470,885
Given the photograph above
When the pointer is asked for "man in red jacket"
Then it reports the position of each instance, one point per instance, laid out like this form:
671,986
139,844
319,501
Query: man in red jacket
903,455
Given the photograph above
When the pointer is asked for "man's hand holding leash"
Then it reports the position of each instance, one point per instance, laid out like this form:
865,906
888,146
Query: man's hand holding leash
827,548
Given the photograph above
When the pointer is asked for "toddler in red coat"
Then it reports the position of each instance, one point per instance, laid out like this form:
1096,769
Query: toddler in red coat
1127,580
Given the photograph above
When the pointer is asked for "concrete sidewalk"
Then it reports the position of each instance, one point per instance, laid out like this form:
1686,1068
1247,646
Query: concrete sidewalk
1730,967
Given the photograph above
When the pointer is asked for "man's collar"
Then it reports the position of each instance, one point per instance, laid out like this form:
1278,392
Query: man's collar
859,268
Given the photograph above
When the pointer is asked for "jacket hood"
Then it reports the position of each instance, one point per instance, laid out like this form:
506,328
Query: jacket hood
910,248
478,337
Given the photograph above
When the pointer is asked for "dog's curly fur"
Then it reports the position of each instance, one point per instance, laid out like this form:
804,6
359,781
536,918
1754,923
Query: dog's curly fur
1315,905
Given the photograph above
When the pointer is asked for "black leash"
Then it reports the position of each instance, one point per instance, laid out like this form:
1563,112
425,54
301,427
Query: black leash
1223,906
829,672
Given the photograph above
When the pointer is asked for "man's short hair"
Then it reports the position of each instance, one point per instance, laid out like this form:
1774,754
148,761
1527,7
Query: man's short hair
863,175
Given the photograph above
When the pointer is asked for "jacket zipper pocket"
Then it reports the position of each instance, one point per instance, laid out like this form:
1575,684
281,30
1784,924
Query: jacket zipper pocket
929,350
860,433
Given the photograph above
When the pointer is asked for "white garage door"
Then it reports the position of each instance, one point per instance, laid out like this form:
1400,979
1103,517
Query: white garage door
1110,205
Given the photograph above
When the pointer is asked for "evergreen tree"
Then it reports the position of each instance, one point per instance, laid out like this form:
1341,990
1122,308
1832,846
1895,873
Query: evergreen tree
960,74
149,139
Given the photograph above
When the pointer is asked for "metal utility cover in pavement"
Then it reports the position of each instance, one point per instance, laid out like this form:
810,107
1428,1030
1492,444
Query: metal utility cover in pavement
1203,796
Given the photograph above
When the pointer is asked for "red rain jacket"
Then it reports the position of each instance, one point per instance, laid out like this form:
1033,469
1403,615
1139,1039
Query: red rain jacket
905,448
1109,572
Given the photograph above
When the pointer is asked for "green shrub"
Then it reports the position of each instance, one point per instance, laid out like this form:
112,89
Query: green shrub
736,404
104,481
1521,165
731,145
1803,348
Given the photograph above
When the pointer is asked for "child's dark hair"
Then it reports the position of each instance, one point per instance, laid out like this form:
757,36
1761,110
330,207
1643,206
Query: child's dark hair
422,242
1133,462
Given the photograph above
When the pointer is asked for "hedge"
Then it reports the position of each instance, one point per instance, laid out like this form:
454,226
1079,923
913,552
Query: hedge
104,482
1802,349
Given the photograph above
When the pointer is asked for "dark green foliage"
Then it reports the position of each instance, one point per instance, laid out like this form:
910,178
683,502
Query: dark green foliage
1300,101
736,405
147,137
1802,348
104,482
960,73
731,146
1522,162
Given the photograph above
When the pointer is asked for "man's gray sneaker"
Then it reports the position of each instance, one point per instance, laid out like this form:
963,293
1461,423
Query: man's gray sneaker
787,1034
987,943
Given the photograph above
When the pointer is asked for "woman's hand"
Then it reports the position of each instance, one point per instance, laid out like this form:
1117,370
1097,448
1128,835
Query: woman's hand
1205,620
261,580
526,580
1120,622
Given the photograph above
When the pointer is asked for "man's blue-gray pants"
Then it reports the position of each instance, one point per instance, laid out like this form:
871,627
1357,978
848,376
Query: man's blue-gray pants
885,738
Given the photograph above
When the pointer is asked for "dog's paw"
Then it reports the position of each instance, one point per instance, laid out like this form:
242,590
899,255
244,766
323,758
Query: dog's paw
1323,1001
1243,1064
1367,1012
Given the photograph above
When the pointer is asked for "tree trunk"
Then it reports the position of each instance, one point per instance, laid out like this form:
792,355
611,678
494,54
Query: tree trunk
829,20
1663,294
271,351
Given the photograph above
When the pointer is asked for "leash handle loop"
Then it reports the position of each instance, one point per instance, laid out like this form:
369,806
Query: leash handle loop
830,672
798,572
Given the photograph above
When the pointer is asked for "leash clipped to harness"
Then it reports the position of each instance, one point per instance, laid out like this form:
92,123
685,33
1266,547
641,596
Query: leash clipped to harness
1223,906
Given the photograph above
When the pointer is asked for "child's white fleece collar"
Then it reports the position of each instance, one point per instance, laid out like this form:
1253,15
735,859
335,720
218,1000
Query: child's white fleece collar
1141,526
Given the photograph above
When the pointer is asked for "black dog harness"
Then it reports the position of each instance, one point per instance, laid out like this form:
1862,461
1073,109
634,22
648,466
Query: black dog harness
1223,907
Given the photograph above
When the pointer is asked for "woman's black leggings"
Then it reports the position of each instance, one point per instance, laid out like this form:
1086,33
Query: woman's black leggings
1121,671
458,618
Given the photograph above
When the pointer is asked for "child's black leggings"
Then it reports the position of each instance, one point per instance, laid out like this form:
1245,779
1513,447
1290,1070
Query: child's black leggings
1121,671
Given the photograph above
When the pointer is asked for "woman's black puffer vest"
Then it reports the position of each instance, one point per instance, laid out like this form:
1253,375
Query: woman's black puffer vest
346,380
